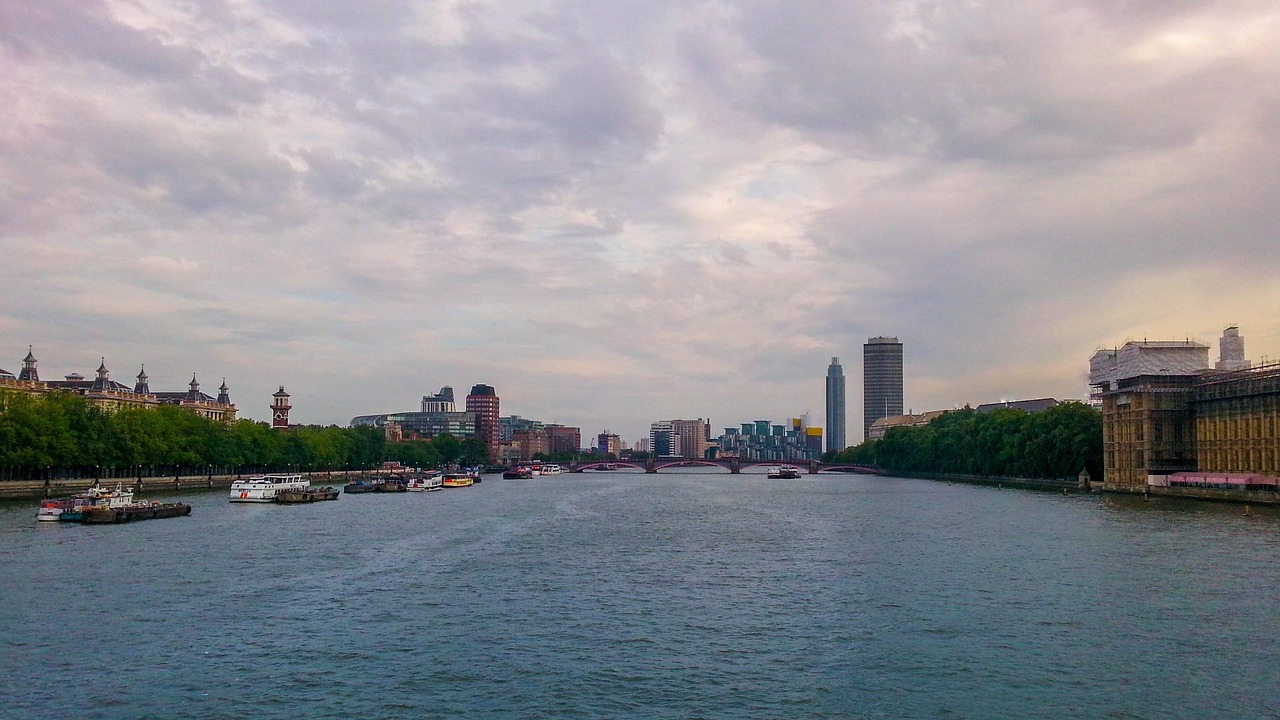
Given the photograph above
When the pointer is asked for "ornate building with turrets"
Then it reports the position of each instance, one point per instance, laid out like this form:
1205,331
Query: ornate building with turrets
108,394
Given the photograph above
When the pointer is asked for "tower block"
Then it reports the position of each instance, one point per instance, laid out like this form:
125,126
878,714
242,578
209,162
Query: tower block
280,410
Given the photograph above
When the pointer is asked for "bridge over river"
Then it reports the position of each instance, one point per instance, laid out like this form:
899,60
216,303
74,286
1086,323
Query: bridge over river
733,465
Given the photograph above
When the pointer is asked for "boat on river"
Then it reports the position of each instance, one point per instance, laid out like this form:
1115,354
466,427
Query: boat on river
265,488
102,514
426,482
518,473
308,495
389,485
71,509
458,479
784,472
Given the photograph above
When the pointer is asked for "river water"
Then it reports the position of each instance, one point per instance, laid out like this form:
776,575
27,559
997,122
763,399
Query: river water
624,595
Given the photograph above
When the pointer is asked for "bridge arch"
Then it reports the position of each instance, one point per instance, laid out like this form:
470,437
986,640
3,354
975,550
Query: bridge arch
660,465
630,464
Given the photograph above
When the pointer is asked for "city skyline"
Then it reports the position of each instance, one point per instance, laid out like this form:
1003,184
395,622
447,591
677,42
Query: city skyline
1230,347
631,211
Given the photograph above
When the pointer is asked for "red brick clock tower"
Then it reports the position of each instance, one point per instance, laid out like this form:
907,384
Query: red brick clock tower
280,410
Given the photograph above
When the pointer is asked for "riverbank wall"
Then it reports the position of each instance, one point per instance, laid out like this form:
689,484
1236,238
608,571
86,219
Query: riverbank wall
39,489
1048,484
1246,497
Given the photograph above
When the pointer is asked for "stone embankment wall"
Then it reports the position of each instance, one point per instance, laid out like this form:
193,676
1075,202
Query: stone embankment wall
1258,497
1255,497
1053,484
36,489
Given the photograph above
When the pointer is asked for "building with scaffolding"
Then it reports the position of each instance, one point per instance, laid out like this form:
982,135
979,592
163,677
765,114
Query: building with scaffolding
1168,419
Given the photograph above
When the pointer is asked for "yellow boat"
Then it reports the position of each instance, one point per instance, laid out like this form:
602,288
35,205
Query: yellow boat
452,480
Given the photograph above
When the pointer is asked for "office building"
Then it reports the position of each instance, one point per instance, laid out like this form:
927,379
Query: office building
695,438
608,443
765,440
664,441
562,439
881,381
483,401
421,425
440,402
836,412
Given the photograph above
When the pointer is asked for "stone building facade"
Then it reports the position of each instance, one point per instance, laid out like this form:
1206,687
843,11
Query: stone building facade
1165,413
110,395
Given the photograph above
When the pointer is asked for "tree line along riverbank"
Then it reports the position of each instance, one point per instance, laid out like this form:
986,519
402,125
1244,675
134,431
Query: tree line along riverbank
1054,444
62,436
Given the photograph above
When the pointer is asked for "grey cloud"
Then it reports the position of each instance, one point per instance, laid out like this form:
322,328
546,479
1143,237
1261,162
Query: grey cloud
232,171
1007,81
332,176
86,31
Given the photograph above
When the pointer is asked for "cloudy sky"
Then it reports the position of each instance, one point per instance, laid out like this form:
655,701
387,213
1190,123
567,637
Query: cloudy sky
625,211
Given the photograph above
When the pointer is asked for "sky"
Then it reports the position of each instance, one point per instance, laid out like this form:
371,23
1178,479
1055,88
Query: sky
636,210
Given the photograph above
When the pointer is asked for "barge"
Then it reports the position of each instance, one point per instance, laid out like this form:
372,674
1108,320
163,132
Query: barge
306,495
102,515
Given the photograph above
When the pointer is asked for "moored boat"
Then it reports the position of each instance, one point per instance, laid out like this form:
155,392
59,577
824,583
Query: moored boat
785,472
311,494
71,509
426,482
519,473
102,514
389,485
359,486
457,479
264,488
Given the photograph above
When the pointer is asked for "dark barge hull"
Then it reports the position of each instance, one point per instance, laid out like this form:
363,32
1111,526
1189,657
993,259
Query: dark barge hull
104,516
306,496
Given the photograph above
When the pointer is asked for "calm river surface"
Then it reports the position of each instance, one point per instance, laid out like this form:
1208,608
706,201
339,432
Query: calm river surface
678,595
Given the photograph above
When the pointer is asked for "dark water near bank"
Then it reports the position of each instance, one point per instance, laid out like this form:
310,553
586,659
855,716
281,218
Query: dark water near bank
668,596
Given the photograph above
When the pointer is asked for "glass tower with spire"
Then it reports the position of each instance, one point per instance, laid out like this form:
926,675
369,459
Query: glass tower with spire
835,406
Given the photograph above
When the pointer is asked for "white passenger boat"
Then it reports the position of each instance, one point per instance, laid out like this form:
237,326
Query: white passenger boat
264,488
426,483
548,469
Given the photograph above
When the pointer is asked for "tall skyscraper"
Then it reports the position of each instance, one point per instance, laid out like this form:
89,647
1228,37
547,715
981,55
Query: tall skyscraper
835,407
881,380
483,401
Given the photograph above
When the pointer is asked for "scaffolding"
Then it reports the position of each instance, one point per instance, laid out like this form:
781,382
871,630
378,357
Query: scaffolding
1237,416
